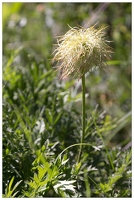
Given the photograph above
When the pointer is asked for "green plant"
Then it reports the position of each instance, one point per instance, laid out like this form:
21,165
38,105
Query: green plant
9,192
80,50
107,189
42,119
48,179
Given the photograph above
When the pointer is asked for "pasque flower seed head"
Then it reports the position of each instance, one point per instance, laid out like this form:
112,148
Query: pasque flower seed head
80,49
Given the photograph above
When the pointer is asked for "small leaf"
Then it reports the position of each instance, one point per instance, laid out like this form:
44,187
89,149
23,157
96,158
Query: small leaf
57,118
9,191
65,185
49,116
64,162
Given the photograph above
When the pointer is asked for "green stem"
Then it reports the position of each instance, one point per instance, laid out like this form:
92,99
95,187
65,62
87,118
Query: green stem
83,116
73,145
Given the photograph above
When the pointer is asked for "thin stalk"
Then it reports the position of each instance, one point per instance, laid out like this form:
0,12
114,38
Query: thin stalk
83,116
73,145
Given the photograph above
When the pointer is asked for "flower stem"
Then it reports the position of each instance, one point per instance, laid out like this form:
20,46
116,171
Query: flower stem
83,115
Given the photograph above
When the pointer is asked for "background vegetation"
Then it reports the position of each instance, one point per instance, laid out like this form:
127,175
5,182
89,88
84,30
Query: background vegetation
41,112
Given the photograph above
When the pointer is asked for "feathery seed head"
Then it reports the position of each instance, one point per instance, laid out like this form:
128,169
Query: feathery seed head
80,49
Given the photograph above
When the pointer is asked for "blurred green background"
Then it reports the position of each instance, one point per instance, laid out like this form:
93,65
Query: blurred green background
33,27
31,84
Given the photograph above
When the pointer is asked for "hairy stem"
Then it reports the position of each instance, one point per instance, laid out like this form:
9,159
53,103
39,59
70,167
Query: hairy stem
83,116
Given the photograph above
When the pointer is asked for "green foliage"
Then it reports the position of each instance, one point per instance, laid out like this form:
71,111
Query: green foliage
9,192
48,180
116,179
41,112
